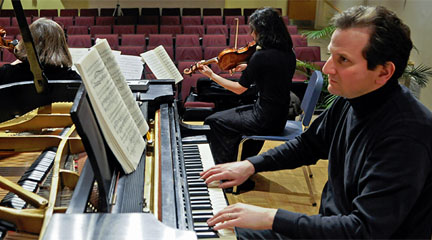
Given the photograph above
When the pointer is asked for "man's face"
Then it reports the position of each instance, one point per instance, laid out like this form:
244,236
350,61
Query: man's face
346,67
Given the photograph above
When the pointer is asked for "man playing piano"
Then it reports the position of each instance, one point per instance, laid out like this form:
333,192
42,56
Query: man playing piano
376,136
53,52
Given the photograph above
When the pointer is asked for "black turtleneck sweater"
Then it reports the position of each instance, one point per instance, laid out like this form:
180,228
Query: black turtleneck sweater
379,174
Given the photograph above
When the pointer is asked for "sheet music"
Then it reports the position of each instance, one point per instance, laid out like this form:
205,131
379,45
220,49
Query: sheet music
76,54
131,66
118,127
114,70
161,64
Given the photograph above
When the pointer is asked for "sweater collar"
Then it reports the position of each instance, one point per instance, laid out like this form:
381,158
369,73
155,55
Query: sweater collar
374,100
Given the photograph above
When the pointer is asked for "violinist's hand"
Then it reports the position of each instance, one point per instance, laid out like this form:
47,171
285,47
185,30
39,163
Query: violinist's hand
234,172
204,69
244,216
238,68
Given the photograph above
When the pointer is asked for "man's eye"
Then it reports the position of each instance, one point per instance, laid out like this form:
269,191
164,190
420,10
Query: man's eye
343,59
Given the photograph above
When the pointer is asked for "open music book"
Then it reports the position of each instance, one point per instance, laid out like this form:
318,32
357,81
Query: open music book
161,64
130,66
119,116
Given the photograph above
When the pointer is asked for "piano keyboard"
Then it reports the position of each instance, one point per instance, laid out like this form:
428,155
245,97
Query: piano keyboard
205,201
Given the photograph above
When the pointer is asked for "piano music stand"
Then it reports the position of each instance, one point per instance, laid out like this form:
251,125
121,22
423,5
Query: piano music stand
87,127
107,171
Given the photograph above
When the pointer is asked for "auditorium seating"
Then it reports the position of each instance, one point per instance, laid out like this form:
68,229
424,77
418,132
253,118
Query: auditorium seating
232,20
48,13
79,41
217,29
214,40
64,21
147,29
74,30
5,21
124,29
68,12
187,40
188,34
191,12
191,20
133,40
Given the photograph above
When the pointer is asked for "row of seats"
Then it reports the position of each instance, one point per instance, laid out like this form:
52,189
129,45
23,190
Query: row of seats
127,20
167,40
133,12
163,29
13,31
185,47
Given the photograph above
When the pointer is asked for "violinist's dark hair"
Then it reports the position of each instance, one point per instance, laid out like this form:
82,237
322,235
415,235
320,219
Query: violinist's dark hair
389,38
270,29
50,43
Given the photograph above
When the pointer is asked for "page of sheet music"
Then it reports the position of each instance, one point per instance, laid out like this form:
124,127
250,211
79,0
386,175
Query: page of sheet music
156,66
76,54
114,70
168,63
131,66
118,127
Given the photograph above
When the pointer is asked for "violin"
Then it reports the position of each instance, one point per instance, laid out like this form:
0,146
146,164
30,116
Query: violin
227,59
5,43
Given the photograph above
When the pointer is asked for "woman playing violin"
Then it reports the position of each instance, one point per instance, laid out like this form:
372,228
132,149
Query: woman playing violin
54,56
271,68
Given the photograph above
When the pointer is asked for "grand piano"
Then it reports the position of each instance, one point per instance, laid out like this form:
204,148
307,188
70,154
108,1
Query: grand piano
165,187
163,197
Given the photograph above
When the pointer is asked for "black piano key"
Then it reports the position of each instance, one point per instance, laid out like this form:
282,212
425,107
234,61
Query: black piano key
197,184
193,173
203,229
199,198
207,235
201,212
199,193
201,207
198,189
198,170
201,218
193,165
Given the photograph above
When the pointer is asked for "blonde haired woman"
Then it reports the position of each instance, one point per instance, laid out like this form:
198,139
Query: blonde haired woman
54,56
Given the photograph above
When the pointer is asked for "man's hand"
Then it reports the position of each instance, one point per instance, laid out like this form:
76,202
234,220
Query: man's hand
244,216
234,172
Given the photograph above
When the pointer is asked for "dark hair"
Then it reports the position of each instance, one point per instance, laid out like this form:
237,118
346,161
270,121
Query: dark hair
270,29
389,39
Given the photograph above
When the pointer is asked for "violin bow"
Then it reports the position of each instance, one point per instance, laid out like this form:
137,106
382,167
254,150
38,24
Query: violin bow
40,81
236,35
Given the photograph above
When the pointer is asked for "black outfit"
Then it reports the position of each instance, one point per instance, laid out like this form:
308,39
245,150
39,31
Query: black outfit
272,71
379,148
21,72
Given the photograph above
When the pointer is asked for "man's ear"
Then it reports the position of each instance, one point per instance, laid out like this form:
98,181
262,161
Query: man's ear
386,72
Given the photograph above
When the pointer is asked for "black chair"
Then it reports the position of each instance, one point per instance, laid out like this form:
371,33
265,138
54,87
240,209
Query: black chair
295,128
